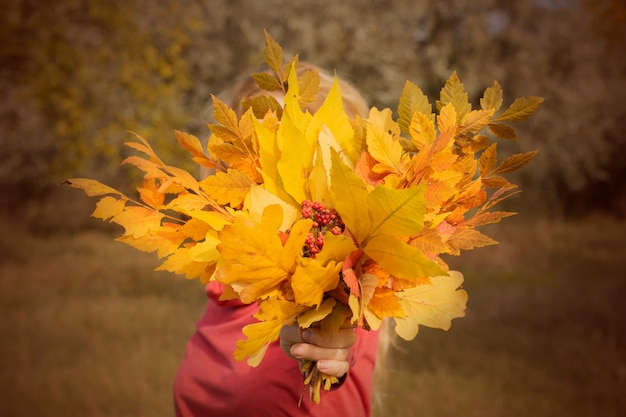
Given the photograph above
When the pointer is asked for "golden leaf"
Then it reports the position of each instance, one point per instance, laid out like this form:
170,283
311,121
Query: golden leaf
521,109
412,100
454,93
434,305
492,98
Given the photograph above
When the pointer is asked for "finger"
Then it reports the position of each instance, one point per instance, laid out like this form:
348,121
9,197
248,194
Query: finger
333,368
306,351
343,339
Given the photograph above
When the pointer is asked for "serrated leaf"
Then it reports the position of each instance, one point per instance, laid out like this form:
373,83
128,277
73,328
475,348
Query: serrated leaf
488,160
521,109
421,130
447,119
454,93
266,81
261,104
309,86
514,162
465,238
503,131
412,100
273,54
230,187
194,147
474,122
225,116
492,98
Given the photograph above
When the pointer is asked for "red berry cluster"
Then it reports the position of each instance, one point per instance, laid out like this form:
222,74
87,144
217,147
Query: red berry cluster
324,220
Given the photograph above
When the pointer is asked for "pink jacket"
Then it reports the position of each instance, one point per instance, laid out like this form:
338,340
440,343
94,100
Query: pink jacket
209,382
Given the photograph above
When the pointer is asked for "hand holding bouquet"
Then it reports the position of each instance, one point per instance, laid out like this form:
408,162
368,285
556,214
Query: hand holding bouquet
322,219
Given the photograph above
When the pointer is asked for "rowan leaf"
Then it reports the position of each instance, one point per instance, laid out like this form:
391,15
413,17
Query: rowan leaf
514,162
521,109
503,131
194,147
412,100
262,104
421,130
309,87
474,122
465,238
492,98
266,81
454,93
488,160
434,305
230,187
447,119
382,145
273,54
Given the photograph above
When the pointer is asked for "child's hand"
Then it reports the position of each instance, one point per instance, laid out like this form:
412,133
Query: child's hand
331,354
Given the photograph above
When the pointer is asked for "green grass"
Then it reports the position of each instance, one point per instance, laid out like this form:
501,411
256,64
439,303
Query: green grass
88,329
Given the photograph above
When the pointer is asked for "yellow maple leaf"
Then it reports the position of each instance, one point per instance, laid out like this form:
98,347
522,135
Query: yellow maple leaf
432,305
255,263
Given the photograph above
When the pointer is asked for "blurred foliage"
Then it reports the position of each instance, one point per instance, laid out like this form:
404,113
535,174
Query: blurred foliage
75,75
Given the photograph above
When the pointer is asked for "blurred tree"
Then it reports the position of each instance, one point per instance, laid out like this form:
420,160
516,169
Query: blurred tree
84,73
77,74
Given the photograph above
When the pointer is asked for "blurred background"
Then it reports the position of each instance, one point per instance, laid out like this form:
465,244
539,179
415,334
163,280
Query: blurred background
86,327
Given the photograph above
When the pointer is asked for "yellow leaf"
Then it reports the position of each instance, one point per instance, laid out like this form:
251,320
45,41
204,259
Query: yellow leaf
309,86
399,258
206,251
412,100
108,207
396,212
259,199
267,81
333,116
465,238
421,130
261,104
454,93
253,260
514,162
306,319
503,131
312,279
230,187
433,305
273,54
274,314
488,159
138,221
194,147
521,109
492,98
382,145
349,195
474,122
446,120
385,304
180,263
92,188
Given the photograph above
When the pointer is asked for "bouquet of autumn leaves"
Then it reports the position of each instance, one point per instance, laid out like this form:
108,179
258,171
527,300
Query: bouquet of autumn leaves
325,220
